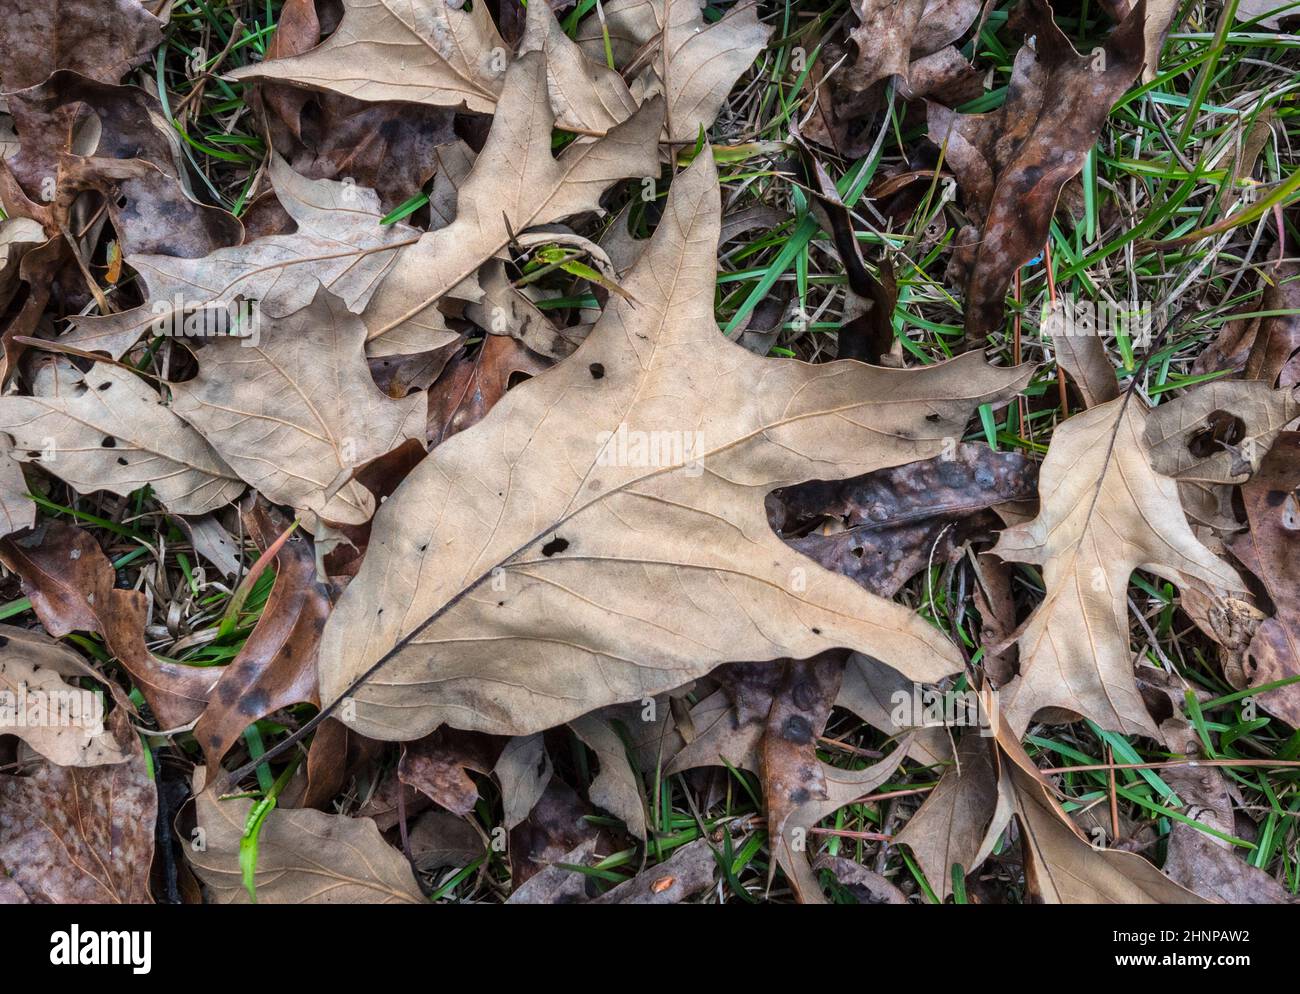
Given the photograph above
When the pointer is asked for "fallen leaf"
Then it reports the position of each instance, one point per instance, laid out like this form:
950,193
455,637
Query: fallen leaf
470,387
532,567
949,828
1012,163
1271,550
72,586
1105,512
1203,863
883,528
73,835
433,52
101,39
695,63
61,721
524,771
438,764
1217,432
866,886
277,665
392,148
106,429
303,857
615,787
295,412
338,243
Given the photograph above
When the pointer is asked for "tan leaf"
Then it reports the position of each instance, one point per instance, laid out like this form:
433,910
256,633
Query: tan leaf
1105,512
587,96
69,728
1061,867
615,787
546,562
296,410
1218,432
16,509
425,52
515,184
950,826
695,65
338,243
303,857
106,429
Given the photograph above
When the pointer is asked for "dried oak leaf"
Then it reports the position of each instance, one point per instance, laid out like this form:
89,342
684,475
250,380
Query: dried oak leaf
277,665
1105,512
303,857
295,412
34,672
107,429
71,585
432,52
1271,550
1218,432
338,243
101,39
72,835
1061,866
950,827
694,64
546,544
1013,162
515,184
392,148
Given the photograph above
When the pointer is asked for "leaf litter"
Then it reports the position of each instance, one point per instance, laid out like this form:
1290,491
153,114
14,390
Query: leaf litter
371,442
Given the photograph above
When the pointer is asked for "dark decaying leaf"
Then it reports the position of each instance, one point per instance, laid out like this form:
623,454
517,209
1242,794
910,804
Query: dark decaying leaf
1012,163
71,584
884,527
687,872
439,764
101,39
1270,549
866,886
792,773
277,665
72,835
1203,863
393,148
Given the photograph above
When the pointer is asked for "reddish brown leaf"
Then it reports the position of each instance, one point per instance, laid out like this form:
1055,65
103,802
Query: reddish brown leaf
277,665
1013,162
1271,550
438,764
71,585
